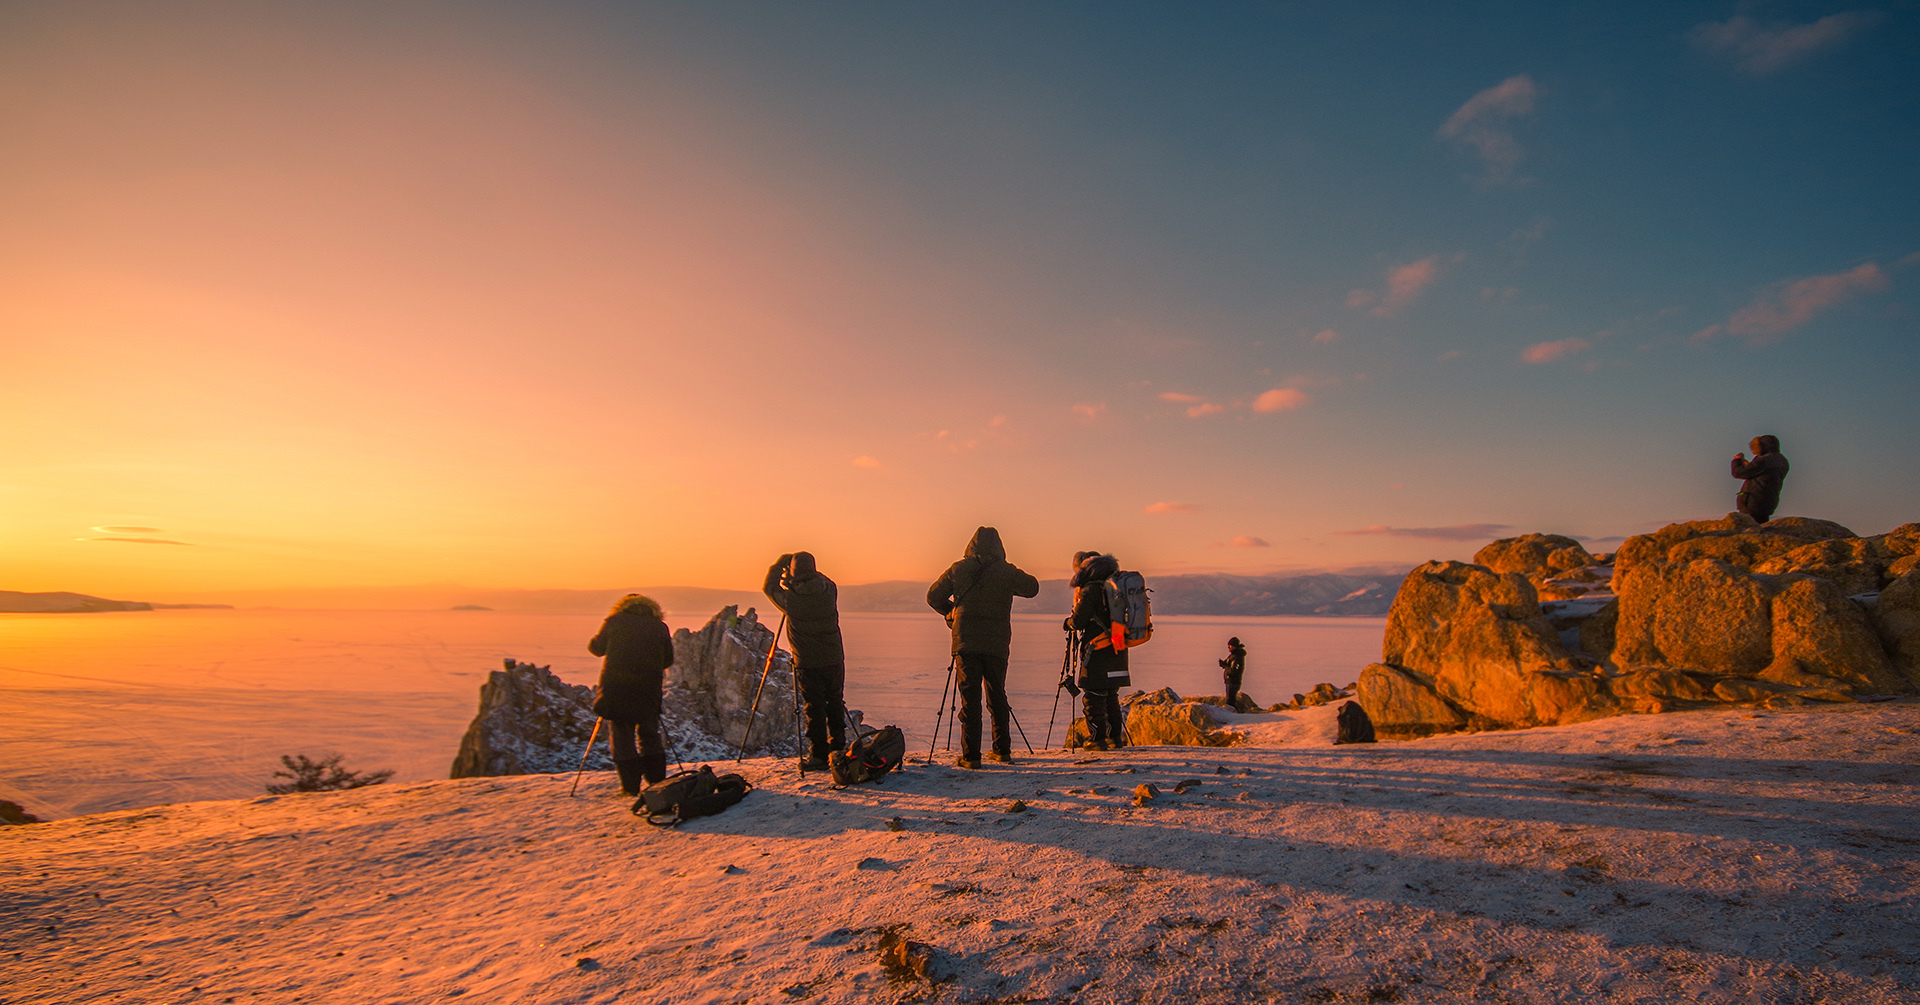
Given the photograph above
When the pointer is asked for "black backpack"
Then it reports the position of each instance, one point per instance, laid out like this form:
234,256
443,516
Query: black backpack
1355,727
687,795
869,757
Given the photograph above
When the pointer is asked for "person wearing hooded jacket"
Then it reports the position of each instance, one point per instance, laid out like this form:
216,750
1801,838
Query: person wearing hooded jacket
975,595
638,650
1103,670
811,603
1762,477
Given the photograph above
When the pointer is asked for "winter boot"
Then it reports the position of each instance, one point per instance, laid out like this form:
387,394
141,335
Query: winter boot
963,761
630,777
1000,757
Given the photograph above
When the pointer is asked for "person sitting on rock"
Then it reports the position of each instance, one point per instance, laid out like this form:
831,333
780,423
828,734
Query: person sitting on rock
638,650
811,603
975,595
1233,668
1760,491
1103,670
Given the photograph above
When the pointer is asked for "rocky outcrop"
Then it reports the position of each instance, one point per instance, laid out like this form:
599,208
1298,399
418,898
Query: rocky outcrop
530,722
1718,611
1320,695
1163,718
715,673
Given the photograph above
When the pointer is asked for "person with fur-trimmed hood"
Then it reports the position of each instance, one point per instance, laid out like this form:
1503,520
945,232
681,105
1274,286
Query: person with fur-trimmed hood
975,595
1103,671
638,650
811,603
1761,478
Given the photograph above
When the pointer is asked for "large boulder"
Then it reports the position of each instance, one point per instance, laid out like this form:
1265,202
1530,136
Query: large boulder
530,722
1896,618
1404,705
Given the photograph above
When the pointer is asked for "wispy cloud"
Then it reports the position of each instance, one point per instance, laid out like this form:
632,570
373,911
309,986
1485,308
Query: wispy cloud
1789,304
864,461
1171,507
1248,541
1178,398
1204,409
1761,49
1457,532
1404,285
1090,410
1547,352
1326,337
1481,126
127,530
1280,399
140,540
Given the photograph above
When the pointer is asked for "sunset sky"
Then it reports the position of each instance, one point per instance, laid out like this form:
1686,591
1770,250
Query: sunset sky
603,295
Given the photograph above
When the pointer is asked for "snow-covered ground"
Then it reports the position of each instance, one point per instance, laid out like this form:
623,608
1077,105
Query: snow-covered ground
1721,856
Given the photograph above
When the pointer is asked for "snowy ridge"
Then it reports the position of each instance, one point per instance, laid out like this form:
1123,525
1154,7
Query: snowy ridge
1715,856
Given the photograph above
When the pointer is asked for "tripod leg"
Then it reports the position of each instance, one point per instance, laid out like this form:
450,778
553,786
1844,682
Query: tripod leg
1022,729
583,758
1050,718
942,714
668,737
768,668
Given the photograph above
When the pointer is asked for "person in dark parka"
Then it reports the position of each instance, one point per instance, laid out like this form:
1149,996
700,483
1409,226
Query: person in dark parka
975,595
638,650
1233,669
1760,491
1103,671
811,603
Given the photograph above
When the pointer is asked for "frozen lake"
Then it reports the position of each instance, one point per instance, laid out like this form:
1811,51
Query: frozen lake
117,710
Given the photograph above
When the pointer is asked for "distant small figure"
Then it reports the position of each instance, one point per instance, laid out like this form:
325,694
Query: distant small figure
975,595
1233,668
1760,492
1103,670
811,603
638,650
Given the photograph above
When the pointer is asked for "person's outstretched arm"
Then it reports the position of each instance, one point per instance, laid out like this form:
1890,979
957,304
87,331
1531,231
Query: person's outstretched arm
772,588
1024,585
598,644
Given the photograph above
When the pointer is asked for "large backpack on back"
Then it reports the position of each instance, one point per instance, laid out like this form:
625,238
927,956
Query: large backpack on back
869,757
1128,606
687,795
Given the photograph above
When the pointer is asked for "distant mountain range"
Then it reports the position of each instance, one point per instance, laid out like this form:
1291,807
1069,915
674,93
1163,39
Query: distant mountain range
1335,594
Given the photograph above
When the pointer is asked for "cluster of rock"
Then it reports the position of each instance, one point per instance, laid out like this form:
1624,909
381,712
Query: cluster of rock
1710,612
1321,694
1163,718
532,722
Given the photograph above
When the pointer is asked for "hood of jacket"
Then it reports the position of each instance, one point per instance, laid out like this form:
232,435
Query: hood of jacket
986,546
1094,570
1766,444
802,577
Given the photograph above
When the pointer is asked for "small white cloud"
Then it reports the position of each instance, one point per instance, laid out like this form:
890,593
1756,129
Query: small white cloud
1480,126
863,461
1248,541
1204,409
1761,49
1176,396
1547,352
1159,508
1280,399
1788,305
1326,337
1089,411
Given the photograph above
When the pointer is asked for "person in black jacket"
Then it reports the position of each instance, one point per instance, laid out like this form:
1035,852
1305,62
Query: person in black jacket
811,603
638,650
1234,668
975,595
1103,670
1760,491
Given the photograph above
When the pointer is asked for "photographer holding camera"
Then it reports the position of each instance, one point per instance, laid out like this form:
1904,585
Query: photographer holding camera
1234,667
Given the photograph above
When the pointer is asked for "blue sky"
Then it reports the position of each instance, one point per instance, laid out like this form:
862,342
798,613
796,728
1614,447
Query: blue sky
1149,278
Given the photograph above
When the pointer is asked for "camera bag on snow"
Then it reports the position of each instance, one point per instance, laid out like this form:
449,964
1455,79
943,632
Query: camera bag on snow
689,794
1355,727
869,757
